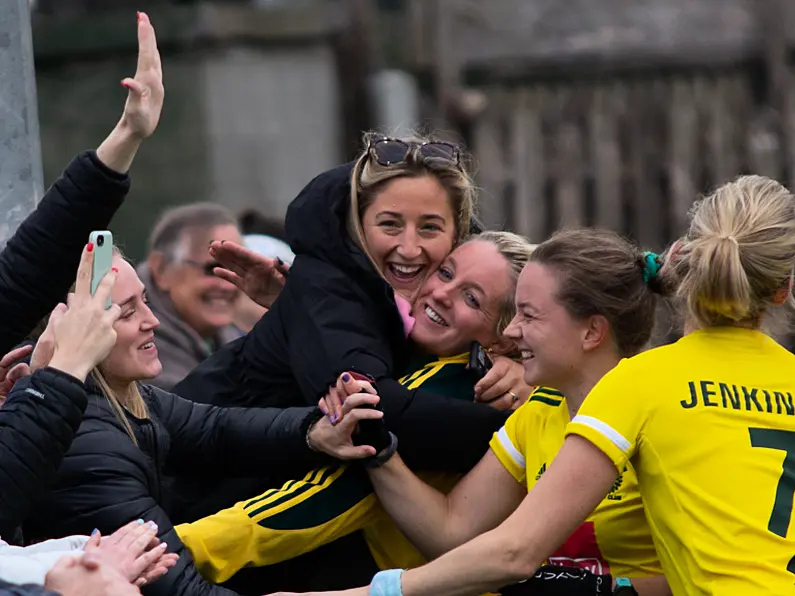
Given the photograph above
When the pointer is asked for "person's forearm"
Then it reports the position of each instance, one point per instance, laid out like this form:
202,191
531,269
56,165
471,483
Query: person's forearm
651,586
118,150
482,565
421,512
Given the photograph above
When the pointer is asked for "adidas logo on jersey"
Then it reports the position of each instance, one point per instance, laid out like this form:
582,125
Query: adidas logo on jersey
541,470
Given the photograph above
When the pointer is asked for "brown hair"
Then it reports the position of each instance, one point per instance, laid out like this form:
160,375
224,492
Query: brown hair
369,178
737,255
601,273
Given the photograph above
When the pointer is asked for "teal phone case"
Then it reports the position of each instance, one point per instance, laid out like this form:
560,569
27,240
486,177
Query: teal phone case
103,258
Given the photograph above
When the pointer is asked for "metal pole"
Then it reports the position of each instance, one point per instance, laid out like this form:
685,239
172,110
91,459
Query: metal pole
21,179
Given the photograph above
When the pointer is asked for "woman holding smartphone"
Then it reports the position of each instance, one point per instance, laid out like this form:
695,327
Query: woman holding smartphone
37,268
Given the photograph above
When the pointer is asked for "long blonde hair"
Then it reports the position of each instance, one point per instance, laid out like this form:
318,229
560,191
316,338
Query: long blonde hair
369,177
737,255
132,403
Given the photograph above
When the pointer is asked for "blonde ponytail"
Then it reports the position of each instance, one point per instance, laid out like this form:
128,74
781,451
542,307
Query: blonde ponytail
738,253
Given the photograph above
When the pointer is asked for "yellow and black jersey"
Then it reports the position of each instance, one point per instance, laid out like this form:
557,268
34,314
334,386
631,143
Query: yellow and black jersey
325,505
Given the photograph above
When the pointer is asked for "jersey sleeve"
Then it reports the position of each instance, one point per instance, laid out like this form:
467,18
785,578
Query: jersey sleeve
614,413
508,444
281,524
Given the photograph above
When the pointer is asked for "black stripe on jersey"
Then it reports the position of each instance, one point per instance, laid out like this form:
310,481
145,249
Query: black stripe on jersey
551,397
350,488
291,494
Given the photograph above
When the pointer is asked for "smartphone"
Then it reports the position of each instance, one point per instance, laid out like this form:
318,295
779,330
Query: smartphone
479,361
103,258
371,432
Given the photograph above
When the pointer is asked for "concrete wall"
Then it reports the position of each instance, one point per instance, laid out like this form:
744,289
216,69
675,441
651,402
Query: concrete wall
273,120
251,115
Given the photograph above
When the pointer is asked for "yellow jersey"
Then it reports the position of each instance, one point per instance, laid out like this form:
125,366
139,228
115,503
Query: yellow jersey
709,424
616,538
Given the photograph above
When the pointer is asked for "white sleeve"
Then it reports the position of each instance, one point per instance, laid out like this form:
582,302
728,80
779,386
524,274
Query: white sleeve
30,564
59,544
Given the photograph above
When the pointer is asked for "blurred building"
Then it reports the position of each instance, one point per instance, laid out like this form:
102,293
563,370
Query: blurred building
616,113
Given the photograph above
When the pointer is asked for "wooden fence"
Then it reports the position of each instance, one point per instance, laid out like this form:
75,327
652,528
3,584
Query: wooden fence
630,156
625,155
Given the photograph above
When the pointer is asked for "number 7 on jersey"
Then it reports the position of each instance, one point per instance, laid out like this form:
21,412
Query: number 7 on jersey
781,515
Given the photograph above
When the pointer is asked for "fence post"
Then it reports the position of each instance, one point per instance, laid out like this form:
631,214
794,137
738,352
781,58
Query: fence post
21,179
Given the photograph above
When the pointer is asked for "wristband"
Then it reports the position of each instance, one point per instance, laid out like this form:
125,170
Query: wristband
387,583
624,586
379,459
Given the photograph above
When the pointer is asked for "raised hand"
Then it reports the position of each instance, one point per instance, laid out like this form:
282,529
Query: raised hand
144,103
145,90
84,333
258,277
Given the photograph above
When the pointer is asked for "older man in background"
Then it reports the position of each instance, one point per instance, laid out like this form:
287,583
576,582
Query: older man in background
195,308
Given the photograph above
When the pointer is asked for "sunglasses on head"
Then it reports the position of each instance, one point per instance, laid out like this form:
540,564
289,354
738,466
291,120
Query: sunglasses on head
389,152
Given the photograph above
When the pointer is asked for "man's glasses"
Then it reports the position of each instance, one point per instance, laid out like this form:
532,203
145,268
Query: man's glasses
389,152
206,268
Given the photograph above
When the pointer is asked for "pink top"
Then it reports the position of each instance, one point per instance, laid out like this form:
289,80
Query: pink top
404,307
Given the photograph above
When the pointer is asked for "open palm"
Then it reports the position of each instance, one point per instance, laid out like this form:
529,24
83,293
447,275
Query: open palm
145,90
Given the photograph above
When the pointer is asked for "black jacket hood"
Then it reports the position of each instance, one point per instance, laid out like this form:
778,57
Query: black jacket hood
315,224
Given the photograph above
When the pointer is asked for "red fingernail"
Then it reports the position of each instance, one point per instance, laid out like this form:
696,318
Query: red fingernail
114,269
90,246
139,16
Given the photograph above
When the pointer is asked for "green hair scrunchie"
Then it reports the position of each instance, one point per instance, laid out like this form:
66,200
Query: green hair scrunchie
651,266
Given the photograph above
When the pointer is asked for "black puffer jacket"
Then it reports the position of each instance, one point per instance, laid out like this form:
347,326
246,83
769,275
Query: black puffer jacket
37,267
39,263
336,313
106,481
37,425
